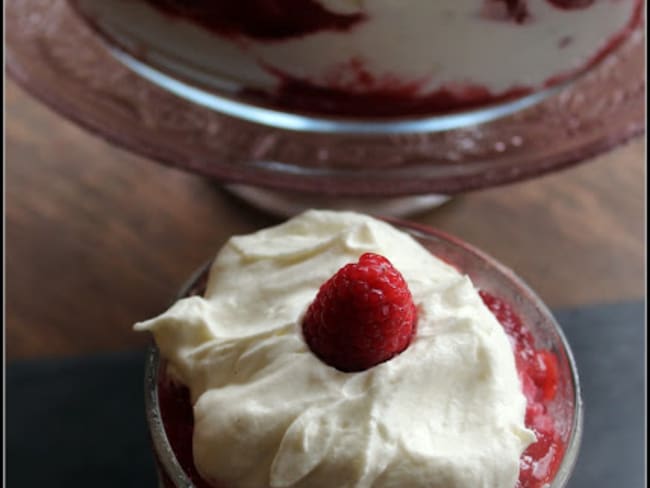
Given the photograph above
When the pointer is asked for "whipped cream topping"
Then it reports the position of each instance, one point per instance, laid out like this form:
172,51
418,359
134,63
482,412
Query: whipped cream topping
446,412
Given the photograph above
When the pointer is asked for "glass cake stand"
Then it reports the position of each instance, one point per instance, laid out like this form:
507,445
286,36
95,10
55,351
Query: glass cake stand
56,56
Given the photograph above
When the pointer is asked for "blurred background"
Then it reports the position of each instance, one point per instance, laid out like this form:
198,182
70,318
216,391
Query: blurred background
98,238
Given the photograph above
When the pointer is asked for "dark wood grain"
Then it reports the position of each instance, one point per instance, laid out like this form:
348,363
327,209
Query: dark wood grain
97,238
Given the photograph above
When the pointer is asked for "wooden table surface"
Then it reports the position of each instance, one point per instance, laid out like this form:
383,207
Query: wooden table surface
97,238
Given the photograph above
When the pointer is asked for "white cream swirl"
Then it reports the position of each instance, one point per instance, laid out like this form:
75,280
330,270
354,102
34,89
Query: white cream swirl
448,412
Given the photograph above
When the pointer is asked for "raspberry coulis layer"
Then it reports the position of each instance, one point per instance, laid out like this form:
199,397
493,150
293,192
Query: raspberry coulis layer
538,371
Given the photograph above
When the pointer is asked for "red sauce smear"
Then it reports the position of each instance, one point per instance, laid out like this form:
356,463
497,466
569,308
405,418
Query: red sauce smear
390,100
259,19
538,371
354,90
572,4
519,12
517,9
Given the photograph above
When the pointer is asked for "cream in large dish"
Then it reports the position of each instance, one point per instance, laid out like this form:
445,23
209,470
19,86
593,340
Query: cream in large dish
446,412
375,57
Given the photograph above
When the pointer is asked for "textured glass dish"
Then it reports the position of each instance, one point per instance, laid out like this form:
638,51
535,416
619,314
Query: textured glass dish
55,55
486,274
174,56
159,59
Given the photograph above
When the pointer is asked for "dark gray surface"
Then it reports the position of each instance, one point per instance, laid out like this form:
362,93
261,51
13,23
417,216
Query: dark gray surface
79,422
609,346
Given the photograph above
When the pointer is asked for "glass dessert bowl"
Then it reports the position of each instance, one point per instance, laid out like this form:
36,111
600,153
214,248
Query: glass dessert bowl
386,166
506,296
375,67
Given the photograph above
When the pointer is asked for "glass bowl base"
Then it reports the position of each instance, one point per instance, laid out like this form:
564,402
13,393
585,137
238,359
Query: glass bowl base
283,203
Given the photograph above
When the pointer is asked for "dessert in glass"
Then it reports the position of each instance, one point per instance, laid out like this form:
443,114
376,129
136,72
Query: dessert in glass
101,64
365,60
339,350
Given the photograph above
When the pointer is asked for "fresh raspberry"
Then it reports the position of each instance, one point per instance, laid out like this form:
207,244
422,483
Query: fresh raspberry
361,316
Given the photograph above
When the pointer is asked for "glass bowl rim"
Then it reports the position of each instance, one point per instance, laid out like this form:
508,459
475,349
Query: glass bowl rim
165,454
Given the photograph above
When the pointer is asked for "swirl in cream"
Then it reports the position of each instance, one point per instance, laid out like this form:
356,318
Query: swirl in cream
446,412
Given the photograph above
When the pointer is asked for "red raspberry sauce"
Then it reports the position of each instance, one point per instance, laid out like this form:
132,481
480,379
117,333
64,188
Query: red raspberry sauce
259,19
538,371
386,98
